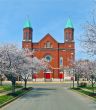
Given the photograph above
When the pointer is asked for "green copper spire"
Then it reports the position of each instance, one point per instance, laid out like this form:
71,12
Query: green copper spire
69,24
27,24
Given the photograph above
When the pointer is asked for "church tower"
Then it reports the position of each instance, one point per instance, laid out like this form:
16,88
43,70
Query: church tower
27,35
69,43
69,31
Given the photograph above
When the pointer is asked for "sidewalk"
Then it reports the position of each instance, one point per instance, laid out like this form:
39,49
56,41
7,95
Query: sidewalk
41,82
38,82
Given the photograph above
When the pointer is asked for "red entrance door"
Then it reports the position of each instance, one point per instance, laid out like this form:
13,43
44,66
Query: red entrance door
47,75
61,76
35,76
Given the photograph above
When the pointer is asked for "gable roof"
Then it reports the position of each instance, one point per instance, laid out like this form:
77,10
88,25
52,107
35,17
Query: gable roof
48,35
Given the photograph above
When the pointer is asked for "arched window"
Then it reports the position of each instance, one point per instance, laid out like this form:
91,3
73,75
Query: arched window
27,36
47,45
61,61
68,36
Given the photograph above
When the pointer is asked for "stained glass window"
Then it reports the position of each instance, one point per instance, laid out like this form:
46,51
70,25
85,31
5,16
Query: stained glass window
48,58
61,61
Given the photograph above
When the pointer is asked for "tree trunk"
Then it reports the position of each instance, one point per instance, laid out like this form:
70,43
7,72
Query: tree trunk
25,83
73,82
93,85
13,87
75,77
78,81
0,80
93,89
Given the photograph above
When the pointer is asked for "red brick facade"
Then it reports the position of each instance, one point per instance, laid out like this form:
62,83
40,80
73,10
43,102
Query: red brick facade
59,54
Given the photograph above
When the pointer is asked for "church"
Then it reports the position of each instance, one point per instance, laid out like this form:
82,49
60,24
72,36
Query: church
58,55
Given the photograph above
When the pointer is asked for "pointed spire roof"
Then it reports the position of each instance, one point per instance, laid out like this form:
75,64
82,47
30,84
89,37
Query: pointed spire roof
69,23
27,24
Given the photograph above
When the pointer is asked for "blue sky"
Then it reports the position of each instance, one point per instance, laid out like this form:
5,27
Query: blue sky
46,16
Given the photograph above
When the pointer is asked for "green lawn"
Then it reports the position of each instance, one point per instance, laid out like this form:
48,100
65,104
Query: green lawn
10,96
88,93
90,88
86,90
8,87
5,98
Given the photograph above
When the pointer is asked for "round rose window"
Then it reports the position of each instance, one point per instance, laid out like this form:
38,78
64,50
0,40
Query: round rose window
48,58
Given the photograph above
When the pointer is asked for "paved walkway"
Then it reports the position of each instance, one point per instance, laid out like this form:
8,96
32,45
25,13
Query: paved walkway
55,97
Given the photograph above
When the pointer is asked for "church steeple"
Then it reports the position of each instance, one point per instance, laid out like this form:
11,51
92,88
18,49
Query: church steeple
27,24
27,35
69,31
69,23
27,31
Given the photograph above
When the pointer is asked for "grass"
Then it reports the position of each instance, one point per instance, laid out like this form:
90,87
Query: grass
8,97
85,91
89,93
8,87
5,98
90,88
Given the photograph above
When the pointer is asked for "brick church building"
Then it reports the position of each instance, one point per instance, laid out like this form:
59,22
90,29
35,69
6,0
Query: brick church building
58,55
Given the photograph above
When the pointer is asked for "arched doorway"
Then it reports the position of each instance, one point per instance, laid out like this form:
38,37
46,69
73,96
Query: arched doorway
48,75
